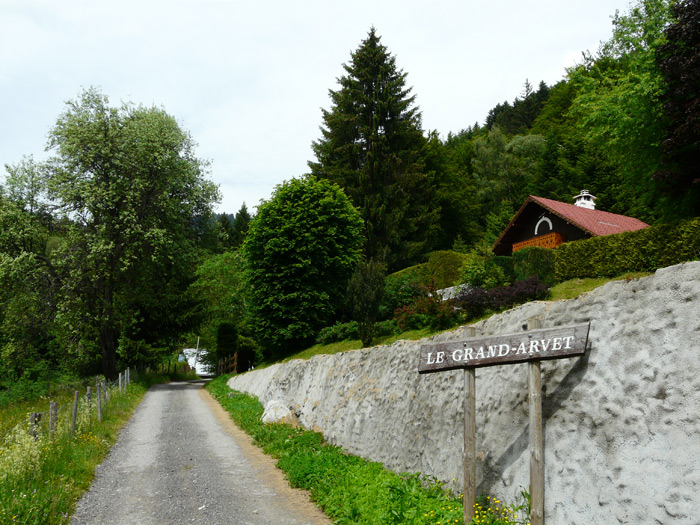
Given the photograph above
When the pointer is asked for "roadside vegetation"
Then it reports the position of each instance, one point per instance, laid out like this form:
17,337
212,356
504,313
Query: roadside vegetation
352,490
42,477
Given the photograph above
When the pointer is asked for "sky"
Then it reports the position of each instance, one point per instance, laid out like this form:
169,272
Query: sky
248,79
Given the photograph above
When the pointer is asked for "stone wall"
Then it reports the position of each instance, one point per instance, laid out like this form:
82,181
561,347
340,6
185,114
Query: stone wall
622,423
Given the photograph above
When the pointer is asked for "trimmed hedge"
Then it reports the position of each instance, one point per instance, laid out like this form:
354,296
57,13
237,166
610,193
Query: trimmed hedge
640,251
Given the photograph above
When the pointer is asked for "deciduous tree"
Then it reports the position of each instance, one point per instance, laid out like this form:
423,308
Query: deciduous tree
301,249
136,196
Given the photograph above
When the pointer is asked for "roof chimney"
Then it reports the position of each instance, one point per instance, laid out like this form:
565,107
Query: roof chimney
585,200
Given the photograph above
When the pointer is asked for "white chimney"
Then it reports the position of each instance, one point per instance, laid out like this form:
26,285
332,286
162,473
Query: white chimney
585,200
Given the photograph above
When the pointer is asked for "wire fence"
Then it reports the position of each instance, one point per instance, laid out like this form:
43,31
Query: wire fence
20,445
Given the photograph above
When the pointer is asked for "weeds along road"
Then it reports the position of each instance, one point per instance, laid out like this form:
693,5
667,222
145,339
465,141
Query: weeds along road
180,459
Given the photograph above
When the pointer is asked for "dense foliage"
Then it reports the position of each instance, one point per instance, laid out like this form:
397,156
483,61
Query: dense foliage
109,251
679,62
373,148
104,239
638,251
301,249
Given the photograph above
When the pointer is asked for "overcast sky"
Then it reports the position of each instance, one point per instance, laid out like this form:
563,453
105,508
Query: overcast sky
248,79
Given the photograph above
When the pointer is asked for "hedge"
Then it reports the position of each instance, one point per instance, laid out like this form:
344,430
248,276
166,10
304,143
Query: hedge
639,251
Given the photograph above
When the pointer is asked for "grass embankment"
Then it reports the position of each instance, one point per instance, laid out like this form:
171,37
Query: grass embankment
350,489
41,480
566,290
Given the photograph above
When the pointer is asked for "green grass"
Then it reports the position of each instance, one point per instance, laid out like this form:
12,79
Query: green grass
574,287
356,344
347,488
41,481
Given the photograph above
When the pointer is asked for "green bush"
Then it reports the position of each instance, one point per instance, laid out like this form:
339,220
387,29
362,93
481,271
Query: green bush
534,262
338,332
640,251
505,263
483,272
402,288
444,267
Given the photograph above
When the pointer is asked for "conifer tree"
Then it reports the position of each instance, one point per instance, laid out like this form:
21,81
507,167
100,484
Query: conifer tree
373,147
241,223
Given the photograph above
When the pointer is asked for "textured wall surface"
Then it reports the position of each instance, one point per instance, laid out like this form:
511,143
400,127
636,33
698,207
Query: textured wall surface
622,423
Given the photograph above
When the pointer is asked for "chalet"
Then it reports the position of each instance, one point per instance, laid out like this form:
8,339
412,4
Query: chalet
549,223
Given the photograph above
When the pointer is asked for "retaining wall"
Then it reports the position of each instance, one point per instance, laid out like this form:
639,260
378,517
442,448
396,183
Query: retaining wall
622,423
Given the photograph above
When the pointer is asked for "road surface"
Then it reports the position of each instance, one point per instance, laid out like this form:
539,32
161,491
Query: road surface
180,459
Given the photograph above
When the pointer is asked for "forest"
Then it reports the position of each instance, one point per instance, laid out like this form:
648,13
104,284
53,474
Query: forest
111,254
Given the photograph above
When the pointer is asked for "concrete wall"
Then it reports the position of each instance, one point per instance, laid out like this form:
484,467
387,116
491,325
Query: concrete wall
622,423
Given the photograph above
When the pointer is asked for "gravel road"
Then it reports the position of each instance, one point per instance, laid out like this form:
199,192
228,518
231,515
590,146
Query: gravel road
180,459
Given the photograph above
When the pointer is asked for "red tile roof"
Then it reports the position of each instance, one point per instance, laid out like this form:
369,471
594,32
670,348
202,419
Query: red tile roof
595,222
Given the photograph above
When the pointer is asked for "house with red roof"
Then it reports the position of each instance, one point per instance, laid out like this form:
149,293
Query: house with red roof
549,223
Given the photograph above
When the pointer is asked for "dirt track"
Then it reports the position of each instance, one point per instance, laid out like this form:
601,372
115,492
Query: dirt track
180,459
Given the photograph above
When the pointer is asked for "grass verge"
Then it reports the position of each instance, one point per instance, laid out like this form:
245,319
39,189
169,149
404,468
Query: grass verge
575,287
41,480
349,489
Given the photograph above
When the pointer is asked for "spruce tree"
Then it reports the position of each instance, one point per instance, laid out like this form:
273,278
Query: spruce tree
373,147
240,225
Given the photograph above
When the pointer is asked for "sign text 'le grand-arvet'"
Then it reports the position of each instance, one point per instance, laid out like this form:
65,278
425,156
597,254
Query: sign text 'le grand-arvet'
550,343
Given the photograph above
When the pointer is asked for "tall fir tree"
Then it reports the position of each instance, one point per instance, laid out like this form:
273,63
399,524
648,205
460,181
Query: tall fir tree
240,225
373,147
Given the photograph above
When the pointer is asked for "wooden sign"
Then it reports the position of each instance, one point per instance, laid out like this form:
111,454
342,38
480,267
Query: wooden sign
552,343
532,346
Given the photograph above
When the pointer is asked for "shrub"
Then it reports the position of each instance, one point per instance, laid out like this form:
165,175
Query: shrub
505,263
402,288
426,311
444,267
640,251
534,261
338,332
387,328
474,302
483,272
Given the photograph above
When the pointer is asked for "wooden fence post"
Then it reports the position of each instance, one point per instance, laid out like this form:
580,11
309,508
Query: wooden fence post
53,417
34,419
536,438
75,412
99,402
88,397
469,440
